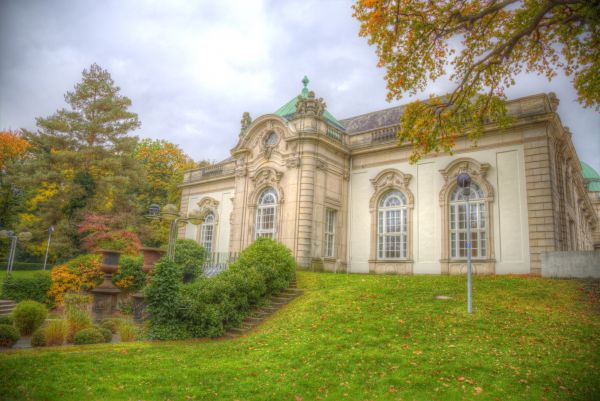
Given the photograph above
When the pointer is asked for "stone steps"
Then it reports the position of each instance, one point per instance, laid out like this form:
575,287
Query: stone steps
6,306
261,314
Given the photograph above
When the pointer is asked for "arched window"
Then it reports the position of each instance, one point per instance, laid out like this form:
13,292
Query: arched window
392,226
266,211
458,223
206,232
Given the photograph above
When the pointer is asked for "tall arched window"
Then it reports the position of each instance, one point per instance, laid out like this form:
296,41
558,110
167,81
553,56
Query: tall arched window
207,232
392,226
266,212
458,223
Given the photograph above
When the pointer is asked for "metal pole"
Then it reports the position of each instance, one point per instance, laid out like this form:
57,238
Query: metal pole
172,238
11,257
50,231
469,286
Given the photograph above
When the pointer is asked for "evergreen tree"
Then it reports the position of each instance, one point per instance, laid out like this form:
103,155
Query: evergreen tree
82,163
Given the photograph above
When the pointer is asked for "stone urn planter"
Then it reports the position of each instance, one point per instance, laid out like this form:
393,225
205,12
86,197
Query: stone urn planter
151,256
105,295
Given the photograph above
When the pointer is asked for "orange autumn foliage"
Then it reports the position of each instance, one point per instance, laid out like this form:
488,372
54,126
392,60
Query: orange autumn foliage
81,273
11,145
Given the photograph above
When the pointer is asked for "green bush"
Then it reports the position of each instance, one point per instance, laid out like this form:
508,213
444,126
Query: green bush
109,324
130,276
168,331
163,292
77,301
6,320
8,335
38,338
106,333
91,335
28,316
274,261
34,287
127,331
189,257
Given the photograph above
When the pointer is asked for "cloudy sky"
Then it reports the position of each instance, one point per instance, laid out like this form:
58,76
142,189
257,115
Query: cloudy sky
192,68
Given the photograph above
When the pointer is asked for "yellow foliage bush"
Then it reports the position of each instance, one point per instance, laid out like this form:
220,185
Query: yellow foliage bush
80,273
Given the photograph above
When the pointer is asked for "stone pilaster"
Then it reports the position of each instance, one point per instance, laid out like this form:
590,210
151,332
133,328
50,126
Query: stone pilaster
305,211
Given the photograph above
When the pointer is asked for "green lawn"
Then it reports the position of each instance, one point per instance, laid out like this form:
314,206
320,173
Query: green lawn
353,337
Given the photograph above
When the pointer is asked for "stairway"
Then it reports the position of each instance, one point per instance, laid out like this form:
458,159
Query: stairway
6,307
261,314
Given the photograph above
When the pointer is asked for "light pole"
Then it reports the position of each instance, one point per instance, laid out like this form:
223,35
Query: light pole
50,231
464,181
169,213
23,236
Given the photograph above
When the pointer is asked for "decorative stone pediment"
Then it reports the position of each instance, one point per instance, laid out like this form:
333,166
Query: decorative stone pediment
266,176
389,179
477,171
207,205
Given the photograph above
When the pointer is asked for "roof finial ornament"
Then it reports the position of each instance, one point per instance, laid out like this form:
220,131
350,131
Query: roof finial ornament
305,82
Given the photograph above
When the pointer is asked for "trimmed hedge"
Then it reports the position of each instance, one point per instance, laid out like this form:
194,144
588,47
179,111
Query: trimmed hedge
90,335
189,257
34,287
208,307
8,335
28,316
7,319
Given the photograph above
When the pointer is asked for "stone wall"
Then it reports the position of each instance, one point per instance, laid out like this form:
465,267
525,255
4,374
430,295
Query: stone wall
573,264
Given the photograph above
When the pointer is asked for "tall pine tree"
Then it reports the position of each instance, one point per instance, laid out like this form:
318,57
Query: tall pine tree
82,162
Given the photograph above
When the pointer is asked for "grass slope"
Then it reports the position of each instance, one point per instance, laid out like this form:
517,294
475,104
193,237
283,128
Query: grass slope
353,337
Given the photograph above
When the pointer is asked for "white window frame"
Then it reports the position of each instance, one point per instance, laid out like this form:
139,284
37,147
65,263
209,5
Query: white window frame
392,226
457,226
329,233
266,214
207,231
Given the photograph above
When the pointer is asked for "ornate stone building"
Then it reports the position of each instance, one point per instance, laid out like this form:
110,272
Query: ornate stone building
342,195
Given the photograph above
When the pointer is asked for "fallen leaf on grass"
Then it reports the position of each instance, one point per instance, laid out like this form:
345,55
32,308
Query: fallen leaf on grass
478,390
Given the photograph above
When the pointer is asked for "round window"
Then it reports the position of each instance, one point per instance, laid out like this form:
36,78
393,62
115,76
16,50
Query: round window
271,139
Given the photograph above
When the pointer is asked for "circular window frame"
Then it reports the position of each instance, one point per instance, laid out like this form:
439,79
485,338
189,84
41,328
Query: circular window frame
270,134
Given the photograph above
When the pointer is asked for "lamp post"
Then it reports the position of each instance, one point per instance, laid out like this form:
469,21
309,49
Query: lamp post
169,213
50,231
464,181
23,236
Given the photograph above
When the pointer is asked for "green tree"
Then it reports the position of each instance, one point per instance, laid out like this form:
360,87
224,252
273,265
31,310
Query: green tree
485,44
82,162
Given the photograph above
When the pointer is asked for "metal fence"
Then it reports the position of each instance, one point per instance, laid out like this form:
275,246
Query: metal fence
218,262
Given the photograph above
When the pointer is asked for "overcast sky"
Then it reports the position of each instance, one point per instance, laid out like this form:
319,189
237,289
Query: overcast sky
191,68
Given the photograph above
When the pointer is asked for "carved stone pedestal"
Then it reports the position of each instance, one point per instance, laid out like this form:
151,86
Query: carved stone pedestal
106,294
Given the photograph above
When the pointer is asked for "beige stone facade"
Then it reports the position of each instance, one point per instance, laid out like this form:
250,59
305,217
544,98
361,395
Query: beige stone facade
329,180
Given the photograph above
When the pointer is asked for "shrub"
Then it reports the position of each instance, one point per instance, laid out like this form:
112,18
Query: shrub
168,331
162,293
29,315
189,257
127,331
274,261
34,287
8,335
77,301
130,276
110,324
77,320
55,332
80,273
6,320
106,232
106,333
91,335
38,338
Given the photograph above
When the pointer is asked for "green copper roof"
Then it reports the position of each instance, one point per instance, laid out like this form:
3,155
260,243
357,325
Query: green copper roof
591,177
289,109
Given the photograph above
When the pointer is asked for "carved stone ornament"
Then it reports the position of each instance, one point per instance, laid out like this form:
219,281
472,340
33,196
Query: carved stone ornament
390,179
207,205
267,151
554,101
245,122
293,162
310,106
477,171
266,177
